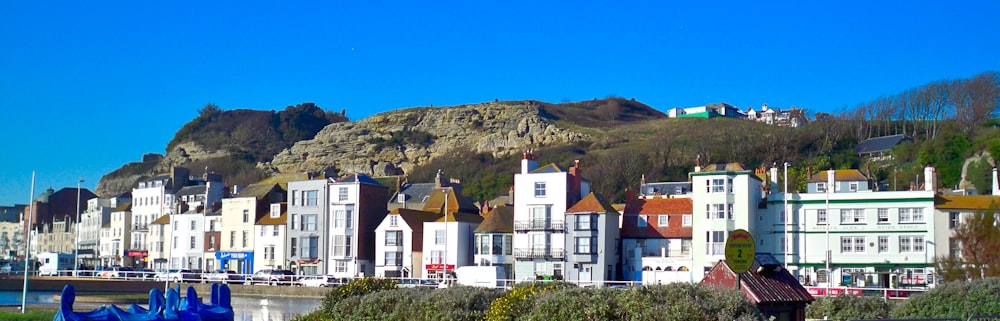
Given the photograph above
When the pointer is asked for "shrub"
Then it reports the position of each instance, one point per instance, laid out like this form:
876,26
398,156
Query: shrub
356,287
846,307
954,299
393,304
575,304
517,302
457,303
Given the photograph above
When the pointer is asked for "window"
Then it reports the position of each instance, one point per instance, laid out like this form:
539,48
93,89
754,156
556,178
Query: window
393,259
437,257
883,215
309,247
911,243
585,245
583,222
211,242
883,244
781,217
246,216
211,225
852,244
342,194
953,220
341,245
439,237
275,210
295,197
246,238
729,185
269,252
911,215
717,185
263,229
853,186
393,220
687,220
393,238
340,267
539,189
821,187
309,198
174,244
232,239
820,216
295,221
508,245
719,211
918,214
640,221
852,216
782,244
192,225
663,221
295,244
685,247
716,242
192,243
477,245
274,230
309,222
497,245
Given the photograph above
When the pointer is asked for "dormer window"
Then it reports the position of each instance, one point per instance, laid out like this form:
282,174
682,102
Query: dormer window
821,187
275,210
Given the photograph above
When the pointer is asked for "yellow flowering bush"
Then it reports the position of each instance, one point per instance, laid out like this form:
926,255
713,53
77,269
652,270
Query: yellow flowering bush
517,301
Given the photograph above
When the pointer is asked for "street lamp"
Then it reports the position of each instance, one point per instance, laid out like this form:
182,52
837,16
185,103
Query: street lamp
785,214
76,252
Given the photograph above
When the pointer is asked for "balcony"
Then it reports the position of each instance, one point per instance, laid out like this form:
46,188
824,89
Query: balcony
538,253
539,225
140,227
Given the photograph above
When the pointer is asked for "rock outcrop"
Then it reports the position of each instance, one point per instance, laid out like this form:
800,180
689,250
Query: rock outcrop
384,144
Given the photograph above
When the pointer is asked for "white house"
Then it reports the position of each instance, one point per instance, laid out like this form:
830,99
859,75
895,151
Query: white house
239,216
494,240
541,197
269,242
656,239
357,204
399,241
724,197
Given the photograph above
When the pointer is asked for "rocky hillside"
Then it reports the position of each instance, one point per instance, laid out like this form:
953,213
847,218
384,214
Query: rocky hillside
395,142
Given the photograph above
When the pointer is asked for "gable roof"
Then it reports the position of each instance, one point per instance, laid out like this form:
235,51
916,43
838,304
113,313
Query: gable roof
192,190
770,284
123,207
415,192
283,179
455,202
550,168
840,175
498,220
415,219
665,188
257,190
660,206
163,220
966,202
592,203
878,144
727,167
358,178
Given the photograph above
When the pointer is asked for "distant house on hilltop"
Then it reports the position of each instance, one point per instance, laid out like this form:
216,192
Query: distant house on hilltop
707,111
793,117
879,148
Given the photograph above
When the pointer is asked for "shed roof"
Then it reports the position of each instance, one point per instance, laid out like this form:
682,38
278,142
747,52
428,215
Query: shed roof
592,203
762,283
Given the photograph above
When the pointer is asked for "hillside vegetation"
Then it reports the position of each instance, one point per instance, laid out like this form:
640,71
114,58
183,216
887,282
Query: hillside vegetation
617,141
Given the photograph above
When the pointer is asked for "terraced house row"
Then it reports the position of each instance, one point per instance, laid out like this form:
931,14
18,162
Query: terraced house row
840,231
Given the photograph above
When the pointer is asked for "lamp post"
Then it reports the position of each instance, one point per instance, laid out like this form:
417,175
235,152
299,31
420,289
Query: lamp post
785,214
76,247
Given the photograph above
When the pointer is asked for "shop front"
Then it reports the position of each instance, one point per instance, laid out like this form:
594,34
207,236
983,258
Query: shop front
240,262
135,258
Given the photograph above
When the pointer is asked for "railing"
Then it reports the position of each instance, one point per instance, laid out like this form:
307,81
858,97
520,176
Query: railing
539,225
140,227
538,253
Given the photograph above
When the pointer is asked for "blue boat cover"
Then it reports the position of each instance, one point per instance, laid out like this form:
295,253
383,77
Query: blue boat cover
166,308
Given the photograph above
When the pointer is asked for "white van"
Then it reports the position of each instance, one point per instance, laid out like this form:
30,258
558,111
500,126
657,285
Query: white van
482,276
54,263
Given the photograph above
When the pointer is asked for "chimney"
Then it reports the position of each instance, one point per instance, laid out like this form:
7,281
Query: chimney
697,164
774,177
575,182
437,179
996,184
629,195
930,179
642,182
486,208
510,194
528,163
831,181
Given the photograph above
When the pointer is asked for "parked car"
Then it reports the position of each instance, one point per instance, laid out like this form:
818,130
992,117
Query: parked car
316,281
273,277
223,276
118,272
145,274
177,275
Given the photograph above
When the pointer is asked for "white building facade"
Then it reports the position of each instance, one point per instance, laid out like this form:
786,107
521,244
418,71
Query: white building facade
724,197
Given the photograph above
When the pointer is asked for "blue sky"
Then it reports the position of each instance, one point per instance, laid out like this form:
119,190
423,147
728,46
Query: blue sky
86,87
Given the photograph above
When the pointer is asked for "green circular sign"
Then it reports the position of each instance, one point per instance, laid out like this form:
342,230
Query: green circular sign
740,251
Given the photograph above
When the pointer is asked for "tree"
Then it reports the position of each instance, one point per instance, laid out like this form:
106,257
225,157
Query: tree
209,110
978,237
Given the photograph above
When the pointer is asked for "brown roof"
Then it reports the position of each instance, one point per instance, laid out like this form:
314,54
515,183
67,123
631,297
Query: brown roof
257,190
966,202
283,179
592,203
280,220
163,220
498,220
123,207
772,284
660,206
415,218
456,201
840,175
727,167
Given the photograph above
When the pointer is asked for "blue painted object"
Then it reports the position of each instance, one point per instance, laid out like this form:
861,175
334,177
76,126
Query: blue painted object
161,308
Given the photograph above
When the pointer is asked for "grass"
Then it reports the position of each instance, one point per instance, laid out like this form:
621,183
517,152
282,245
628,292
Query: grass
31,315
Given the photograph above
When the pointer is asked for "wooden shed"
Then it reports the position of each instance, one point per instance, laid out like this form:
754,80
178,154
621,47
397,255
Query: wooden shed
767,284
